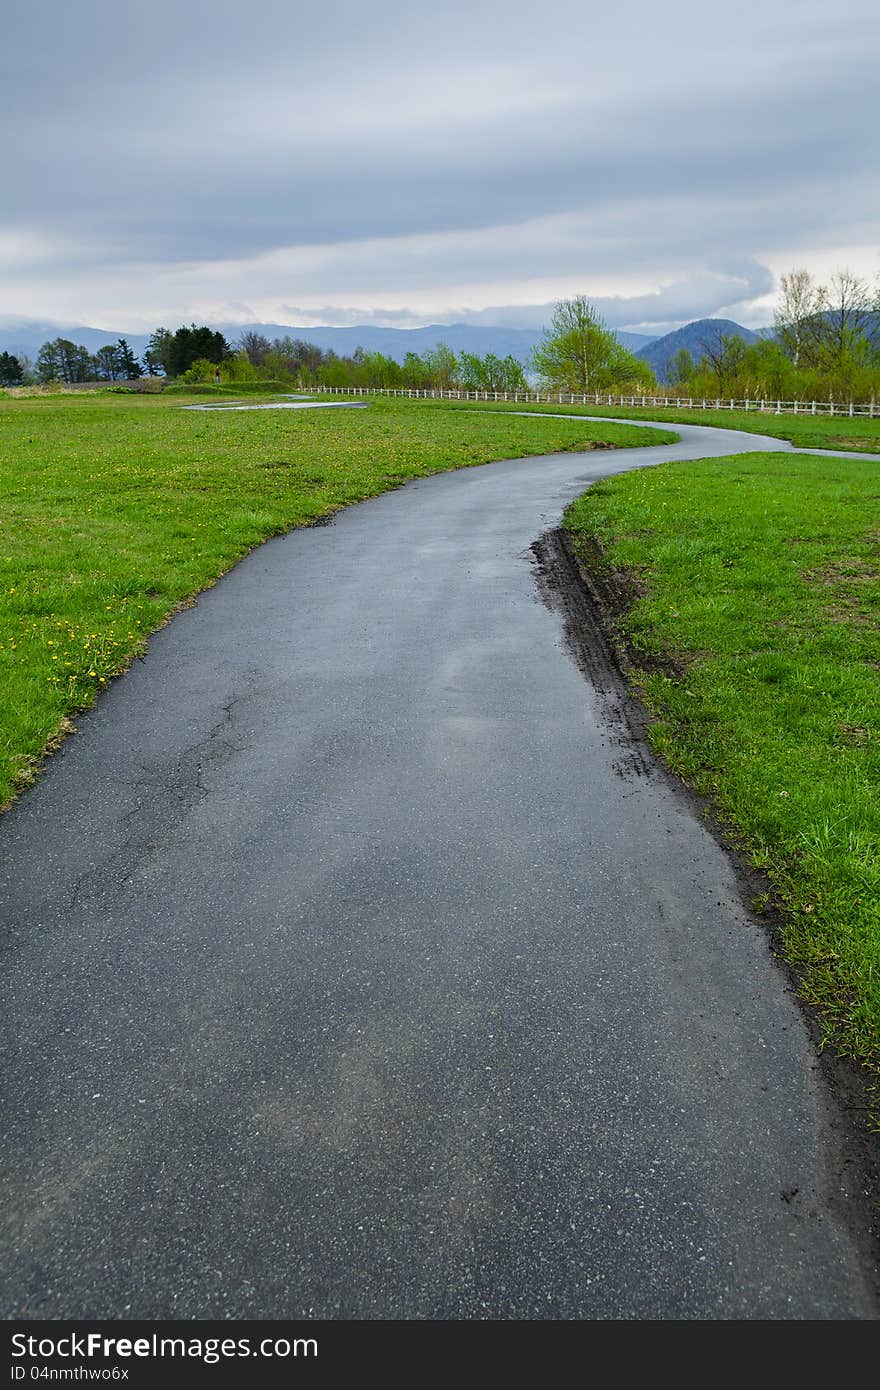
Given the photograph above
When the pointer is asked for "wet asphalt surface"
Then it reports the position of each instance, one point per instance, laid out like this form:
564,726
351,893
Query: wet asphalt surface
360,963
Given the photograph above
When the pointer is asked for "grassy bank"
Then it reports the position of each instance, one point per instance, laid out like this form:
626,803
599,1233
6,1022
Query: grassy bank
116,508
757,649
809,432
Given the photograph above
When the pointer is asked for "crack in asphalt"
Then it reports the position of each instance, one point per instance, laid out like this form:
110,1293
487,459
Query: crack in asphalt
168,795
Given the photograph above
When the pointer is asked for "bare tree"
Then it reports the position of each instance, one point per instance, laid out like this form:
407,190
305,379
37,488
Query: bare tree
723,357
847,313
256,347
797,320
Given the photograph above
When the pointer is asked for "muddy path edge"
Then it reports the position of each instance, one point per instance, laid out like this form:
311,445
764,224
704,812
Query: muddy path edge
591,599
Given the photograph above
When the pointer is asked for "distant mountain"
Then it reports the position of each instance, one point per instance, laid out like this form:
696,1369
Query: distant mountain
694,337
28,336
634,341
397,342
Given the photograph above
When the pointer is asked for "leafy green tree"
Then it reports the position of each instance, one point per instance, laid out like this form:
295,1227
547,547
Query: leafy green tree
767,371
375,369
11,371
335,371
580,353
203,370
107,363
416,372
441,365
490,373
159,352
62,360
681,368
470,371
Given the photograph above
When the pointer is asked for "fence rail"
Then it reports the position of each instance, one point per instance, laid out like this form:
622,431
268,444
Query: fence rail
849,410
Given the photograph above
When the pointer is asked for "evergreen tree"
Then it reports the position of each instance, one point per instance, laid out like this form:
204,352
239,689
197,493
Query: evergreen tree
11,373
193,344
127,365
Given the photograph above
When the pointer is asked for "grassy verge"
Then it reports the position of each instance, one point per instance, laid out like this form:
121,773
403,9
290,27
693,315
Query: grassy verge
756,643
117,508
819,432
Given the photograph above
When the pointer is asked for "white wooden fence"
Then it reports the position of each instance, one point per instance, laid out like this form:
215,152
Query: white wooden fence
849,409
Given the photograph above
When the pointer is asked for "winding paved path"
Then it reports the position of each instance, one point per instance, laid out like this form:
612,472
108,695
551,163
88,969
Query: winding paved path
358,964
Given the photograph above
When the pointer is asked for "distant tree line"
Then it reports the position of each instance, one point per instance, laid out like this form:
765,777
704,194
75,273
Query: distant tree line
197,354
826,346
304,364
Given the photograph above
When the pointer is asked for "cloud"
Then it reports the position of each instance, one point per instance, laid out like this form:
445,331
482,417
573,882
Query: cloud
406,162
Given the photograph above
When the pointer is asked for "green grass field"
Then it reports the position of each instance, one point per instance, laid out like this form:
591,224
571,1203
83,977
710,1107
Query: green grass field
809,432
757,649
117,508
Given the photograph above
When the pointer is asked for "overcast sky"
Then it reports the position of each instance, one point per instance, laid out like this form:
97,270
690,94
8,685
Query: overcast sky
404,164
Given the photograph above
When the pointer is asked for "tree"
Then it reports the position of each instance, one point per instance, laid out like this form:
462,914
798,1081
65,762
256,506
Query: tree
580,353
159,351
375,369
490,373
416,372
441,365
295,358
256,346
723,360
797,319
107,363
194,344
681,368
127,364
847,312
11,371
62,360
767,371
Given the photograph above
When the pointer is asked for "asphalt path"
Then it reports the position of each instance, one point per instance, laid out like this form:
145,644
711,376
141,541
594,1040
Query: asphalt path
359,963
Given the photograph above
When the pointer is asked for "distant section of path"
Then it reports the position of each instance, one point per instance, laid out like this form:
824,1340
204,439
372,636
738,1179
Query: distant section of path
360,962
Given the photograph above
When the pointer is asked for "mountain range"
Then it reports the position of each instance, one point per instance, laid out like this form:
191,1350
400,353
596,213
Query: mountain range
28,335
